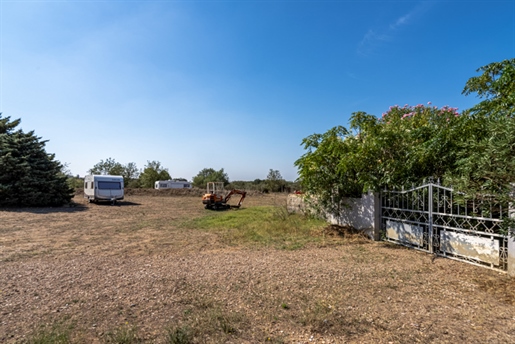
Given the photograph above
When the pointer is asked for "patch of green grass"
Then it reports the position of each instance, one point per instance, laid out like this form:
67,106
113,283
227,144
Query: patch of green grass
316,314
14,257
206,317
263,226
55,334
178,335
226,324
123,335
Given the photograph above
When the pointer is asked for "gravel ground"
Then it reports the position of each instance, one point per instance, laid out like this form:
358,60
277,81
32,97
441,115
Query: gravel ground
97,271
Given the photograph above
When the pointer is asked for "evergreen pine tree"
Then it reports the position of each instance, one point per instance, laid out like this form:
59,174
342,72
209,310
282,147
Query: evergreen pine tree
28,175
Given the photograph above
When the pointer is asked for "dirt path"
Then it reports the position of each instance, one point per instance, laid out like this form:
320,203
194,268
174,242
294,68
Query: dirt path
97,271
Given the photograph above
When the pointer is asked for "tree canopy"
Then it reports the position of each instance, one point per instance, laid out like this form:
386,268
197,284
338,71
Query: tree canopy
473,150
496,86
153,172
487,162
275,181
210,175
107,167
129,171
29,176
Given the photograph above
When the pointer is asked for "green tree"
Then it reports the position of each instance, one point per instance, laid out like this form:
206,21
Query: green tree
75,182
129,171
404,147
153,172
474,151
210,175
496,86
323,173
239,185
107,167
275,181
486,162
28,175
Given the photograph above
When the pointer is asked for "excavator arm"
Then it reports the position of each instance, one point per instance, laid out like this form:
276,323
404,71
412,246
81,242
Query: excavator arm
237,192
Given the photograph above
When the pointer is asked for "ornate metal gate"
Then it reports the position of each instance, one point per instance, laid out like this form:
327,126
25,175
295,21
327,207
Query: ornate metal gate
438,220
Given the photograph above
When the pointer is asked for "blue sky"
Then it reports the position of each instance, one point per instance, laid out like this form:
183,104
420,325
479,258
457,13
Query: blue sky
231,84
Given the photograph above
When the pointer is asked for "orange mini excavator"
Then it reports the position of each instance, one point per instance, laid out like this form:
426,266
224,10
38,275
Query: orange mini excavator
214,198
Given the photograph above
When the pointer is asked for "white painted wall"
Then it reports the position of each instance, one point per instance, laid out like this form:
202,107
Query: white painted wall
362,213
359,214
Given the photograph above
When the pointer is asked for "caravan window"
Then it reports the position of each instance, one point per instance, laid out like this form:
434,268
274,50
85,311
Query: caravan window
109,185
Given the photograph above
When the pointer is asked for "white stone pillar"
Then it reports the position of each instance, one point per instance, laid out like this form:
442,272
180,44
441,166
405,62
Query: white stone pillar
511,242
511,234
377,217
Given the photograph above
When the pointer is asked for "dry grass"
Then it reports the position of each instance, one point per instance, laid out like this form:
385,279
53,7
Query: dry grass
135,273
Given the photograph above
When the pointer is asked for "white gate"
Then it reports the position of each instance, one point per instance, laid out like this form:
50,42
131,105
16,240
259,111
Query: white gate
438,220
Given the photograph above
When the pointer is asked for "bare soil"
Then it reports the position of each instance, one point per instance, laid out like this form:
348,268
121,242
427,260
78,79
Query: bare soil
101,270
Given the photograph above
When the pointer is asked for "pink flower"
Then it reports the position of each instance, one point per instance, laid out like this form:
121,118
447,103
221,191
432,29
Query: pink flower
428,103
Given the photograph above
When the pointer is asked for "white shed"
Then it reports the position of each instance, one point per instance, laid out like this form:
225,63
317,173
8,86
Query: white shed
172,184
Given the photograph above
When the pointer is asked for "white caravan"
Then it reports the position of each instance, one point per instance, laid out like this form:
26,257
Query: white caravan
172,184
103,188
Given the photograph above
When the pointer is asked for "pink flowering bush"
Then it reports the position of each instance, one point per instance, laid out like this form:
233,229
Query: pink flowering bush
405,146
473,150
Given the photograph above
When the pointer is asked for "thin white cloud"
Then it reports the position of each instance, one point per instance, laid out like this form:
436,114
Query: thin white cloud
401,21
374,39
371,41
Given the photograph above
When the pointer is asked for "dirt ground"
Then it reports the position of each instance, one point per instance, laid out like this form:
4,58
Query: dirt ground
98,271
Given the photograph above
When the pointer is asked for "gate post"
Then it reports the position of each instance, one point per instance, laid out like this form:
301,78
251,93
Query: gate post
376,235
430,216
511,237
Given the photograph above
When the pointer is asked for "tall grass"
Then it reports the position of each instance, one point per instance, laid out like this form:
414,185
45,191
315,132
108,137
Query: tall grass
55,334
261,226
178,335
124,334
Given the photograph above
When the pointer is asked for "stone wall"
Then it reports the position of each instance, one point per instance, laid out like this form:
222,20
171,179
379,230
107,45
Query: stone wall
362,213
